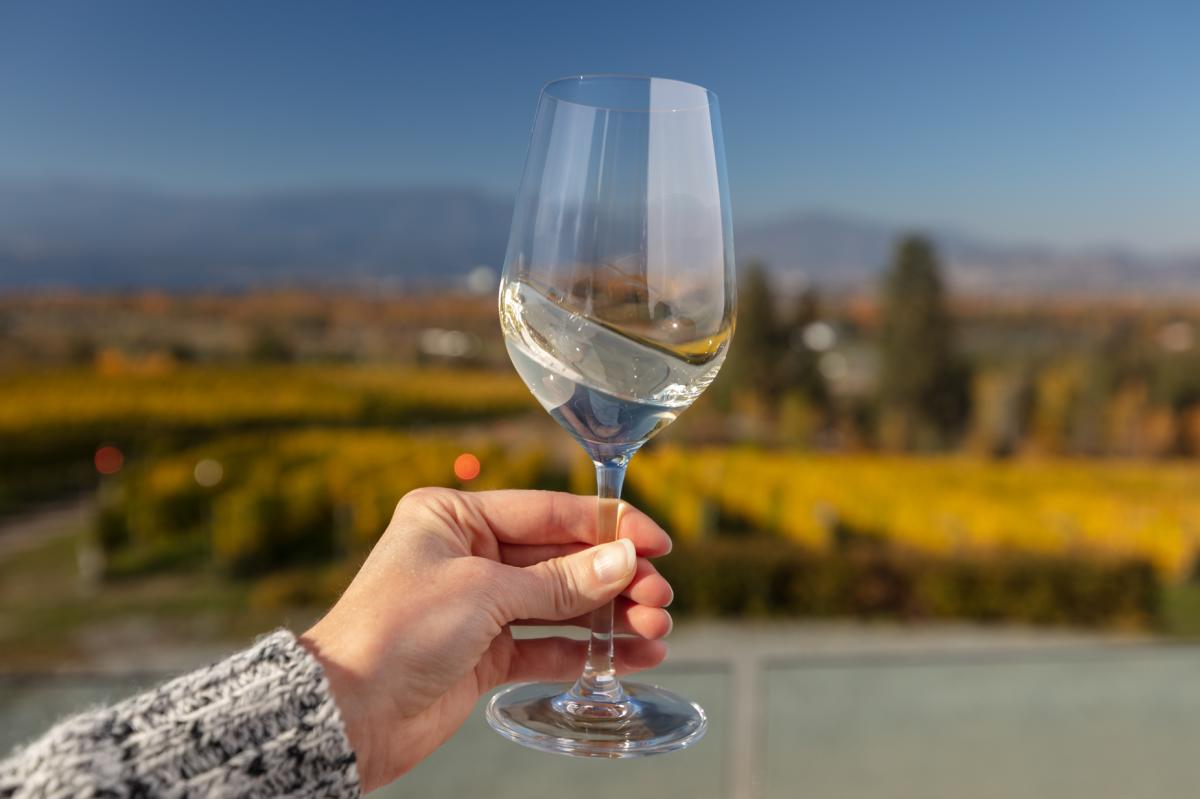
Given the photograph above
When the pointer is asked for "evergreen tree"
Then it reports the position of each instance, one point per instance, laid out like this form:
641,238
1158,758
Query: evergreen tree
923,385
801,371
757,351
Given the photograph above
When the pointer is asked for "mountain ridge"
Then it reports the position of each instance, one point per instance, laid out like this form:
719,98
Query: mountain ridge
96,235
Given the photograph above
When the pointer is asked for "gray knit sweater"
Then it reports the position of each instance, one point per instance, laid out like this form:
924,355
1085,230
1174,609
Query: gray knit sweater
261,723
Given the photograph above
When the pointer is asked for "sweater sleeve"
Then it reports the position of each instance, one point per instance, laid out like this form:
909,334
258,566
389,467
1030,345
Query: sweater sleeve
261,723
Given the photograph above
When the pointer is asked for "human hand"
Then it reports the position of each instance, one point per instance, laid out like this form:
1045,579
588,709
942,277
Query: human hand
423,629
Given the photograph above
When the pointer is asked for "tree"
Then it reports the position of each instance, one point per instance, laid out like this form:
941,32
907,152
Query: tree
270,346
924,387
801,367
756,353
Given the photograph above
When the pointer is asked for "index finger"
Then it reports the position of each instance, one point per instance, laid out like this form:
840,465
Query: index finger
554,517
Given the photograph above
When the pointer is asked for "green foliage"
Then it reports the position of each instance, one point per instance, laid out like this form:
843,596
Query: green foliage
270,346
753,361
1180,614
285,500
52,422
1176,380
757,323
302,587
769,576
273,521
923,384
294,512
768,359
800,366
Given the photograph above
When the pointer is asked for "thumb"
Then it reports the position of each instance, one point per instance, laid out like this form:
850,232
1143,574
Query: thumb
562,588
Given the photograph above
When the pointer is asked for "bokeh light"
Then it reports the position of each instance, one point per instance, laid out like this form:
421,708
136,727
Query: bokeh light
108,459
208,472
466,467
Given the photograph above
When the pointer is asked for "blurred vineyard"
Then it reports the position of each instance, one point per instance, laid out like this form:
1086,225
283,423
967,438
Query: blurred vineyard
288,511
240,455
52,421
116,398
944,506
759,532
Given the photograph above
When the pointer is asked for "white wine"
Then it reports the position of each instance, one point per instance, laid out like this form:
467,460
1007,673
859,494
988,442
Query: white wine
617,305
612,391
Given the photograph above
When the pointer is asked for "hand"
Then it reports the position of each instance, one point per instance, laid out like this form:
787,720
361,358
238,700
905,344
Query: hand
423,630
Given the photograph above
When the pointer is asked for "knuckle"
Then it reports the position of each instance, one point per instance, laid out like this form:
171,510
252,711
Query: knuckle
564,514
423,497
564,586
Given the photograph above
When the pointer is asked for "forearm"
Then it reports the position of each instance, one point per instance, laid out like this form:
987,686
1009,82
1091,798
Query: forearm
261,723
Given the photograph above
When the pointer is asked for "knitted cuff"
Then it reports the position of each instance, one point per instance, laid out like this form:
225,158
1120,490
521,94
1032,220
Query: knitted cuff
261,723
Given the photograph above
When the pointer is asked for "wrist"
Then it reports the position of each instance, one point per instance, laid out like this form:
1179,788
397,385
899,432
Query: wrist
345,687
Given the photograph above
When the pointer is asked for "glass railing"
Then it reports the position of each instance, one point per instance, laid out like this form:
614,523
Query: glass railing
1094,721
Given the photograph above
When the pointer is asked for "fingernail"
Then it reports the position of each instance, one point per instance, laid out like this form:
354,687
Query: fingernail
614,560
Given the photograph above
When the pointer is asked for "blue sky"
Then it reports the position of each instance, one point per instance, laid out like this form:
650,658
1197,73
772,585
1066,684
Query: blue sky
1072,123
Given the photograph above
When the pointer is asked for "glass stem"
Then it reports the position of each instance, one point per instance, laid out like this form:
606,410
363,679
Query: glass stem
599,683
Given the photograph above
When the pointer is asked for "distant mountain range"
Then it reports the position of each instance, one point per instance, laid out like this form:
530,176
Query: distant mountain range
102,236
844,250
107,236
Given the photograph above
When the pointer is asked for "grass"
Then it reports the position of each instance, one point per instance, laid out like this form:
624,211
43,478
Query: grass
51,619
1180,613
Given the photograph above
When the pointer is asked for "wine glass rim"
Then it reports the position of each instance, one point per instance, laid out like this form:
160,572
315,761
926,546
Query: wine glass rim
548,90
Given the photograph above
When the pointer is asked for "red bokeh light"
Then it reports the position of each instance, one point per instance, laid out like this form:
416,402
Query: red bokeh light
466,467
108,459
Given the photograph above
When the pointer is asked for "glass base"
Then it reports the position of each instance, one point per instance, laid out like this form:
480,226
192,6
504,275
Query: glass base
550,717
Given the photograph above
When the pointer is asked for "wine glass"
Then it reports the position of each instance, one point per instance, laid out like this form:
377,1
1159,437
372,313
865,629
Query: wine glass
617,305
